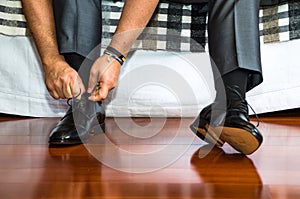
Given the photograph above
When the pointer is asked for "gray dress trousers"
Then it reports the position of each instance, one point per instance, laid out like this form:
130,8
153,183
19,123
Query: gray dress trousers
233,32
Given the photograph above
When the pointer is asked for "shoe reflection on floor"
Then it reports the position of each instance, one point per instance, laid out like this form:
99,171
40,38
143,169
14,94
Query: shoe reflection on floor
227,175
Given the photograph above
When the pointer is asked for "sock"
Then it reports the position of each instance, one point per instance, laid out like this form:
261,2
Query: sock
76,61
235,78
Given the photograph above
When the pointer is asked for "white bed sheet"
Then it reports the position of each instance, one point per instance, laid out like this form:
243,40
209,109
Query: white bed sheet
151,83
280,89
22,88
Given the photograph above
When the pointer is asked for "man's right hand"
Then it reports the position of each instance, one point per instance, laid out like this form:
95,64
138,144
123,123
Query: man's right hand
63,81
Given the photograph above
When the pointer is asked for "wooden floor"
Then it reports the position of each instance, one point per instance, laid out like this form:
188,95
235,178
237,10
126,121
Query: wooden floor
128,163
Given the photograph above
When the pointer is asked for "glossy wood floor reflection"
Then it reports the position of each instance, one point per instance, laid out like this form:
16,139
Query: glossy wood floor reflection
143,158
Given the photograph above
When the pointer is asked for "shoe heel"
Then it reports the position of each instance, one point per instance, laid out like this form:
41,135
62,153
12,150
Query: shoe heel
206,133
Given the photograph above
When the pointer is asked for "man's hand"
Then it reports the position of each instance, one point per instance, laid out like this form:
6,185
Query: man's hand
106,71
63,81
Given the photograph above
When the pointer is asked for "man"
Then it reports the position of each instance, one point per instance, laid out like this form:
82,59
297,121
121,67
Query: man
233,45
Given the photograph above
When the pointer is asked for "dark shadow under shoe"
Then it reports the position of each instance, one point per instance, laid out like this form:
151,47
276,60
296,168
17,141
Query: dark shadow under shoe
79,122
217,125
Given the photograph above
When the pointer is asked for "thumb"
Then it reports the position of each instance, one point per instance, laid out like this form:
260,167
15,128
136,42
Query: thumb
100,94
93,80
78,87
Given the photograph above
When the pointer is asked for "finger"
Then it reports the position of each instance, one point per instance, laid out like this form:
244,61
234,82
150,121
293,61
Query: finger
93,80
58,88
81,85
53,90
76,91
77,88
95,96
60,93
101,94
54,94
67,90
103,91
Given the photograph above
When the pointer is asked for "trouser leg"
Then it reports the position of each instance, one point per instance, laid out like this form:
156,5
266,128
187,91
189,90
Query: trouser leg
78,25
235,54
234,43
78,31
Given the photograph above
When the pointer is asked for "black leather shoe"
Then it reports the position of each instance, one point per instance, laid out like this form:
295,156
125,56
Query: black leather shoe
217,125
81,120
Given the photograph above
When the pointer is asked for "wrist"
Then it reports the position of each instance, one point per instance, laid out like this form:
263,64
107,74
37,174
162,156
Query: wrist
52,61
56,65
113,53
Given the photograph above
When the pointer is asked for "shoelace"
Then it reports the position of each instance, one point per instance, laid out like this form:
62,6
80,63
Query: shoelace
70,105
235,90
80,104
68,101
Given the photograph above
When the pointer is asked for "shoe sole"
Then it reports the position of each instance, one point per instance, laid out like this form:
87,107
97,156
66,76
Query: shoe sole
67,143
241,140
208,135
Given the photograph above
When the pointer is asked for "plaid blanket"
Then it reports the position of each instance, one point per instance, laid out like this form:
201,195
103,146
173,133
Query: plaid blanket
175,27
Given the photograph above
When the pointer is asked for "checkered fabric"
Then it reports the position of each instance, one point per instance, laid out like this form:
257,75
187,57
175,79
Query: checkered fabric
280,23
12,20
179,27
173,27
